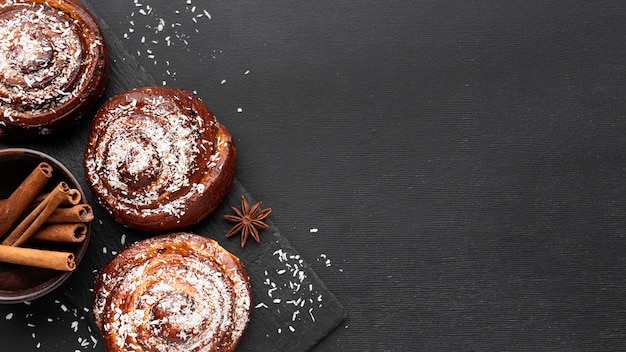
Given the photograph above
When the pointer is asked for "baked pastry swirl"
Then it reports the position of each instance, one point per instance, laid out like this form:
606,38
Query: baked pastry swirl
175,292
158,160
53,66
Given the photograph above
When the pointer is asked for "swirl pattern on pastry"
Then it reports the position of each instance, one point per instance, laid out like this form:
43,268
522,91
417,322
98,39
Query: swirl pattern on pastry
53,66
158,160
175,292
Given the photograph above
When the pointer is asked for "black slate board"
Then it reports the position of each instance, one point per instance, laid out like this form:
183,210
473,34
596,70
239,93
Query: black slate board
293,309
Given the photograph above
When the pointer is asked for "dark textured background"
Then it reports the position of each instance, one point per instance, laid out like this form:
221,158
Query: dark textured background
463,162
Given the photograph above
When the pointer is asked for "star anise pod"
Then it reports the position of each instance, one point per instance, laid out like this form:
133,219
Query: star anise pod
248,221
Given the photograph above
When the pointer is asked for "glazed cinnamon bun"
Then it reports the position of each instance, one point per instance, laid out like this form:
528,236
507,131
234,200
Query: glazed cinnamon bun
53,66
175,292
158,160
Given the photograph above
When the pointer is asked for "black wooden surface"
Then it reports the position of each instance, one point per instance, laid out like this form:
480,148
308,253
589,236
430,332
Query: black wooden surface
452,170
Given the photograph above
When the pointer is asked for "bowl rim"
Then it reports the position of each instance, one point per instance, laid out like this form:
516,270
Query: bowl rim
20,296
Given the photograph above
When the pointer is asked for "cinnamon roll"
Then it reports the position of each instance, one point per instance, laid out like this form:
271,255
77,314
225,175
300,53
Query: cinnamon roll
175,292
158,160
53,66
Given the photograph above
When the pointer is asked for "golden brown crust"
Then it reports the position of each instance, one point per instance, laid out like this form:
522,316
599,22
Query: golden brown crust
158,160
176,292
53,66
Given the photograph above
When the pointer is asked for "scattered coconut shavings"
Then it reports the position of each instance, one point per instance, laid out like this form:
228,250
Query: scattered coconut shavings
37,325
173,29
289,292
323,258
153,30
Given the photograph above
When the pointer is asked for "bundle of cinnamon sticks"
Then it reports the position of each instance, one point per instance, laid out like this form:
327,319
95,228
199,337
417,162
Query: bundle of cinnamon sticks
29,216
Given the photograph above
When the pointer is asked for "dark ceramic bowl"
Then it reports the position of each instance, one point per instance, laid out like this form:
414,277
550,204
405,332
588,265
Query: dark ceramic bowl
22,283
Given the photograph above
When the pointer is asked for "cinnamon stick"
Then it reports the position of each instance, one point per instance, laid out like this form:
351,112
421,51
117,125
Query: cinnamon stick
40,258
33,221
73,198
23,196
77,213
70,233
